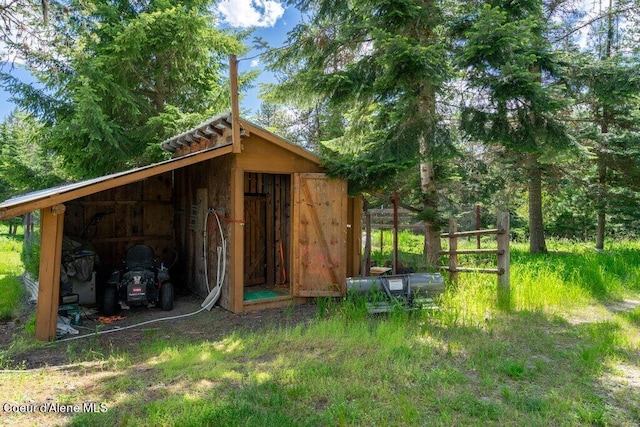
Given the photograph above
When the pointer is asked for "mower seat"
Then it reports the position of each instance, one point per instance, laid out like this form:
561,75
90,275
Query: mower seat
139,256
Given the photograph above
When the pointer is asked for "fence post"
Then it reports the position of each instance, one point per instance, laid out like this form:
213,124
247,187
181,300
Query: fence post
504,291
478,225
453,247
365,263
395,232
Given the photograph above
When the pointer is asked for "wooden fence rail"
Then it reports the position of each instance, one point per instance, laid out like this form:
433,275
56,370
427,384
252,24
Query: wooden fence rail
502,253
382,219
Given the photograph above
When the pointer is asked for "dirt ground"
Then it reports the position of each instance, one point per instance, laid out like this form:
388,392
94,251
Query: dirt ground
205,325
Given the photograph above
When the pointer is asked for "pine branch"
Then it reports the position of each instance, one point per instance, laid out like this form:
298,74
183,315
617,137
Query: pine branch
593,21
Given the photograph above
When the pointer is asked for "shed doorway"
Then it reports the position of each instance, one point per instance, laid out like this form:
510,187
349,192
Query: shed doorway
267,231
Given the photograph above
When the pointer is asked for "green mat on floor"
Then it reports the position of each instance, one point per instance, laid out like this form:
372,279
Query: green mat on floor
254,295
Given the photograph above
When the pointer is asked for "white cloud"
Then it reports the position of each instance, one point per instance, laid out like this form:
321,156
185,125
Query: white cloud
255,63
250,13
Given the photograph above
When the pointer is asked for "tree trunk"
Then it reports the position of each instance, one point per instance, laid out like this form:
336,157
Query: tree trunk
602,166
536,227
365,262
600,231
601,203
432,244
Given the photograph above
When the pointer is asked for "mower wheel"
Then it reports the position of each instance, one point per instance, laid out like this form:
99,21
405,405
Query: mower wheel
166,296
110,301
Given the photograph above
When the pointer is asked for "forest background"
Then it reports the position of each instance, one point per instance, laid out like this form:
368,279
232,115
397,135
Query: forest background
528,107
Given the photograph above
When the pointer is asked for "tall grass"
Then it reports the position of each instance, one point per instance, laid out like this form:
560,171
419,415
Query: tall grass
570,275
552,282
11,289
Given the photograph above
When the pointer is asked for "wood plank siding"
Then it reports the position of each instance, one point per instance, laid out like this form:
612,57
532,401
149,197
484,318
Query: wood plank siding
114,220
320,235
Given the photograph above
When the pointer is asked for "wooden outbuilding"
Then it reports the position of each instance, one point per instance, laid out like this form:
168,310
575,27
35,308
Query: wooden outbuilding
291,232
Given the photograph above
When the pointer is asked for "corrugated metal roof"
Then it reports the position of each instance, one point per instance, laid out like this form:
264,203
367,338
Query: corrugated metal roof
210,129
214,127
51,196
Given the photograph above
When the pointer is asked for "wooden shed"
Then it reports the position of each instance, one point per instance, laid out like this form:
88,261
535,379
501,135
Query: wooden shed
291,232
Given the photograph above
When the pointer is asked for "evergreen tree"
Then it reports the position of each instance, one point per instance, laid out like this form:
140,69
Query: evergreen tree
607,86
299,125
25,164
121,76
516,92
381,67
305,121
22,22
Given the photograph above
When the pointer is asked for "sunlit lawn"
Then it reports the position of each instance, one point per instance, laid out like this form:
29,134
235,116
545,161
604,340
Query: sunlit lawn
563,356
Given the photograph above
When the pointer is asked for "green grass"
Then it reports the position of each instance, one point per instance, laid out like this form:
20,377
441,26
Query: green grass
570,275
557,358
11,289
525,369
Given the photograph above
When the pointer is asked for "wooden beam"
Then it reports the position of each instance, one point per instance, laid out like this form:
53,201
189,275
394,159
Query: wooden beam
140,239
475,232
378,226
395,232
472,270
366,258
283,301
453,247
208,130
354,235
202,205
236,284
475,252
235,104
294,237
52,224
389,211
504,290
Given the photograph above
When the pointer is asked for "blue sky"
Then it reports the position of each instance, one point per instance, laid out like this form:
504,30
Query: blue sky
271,20
6,106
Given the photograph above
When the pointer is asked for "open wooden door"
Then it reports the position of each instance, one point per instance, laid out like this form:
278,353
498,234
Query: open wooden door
319,236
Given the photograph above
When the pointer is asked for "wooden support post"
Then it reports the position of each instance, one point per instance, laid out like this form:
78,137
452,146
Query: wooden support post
478,225
235,104
202,205
365,265
51,228
504,291
236,242
395,233
354,236
453,247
